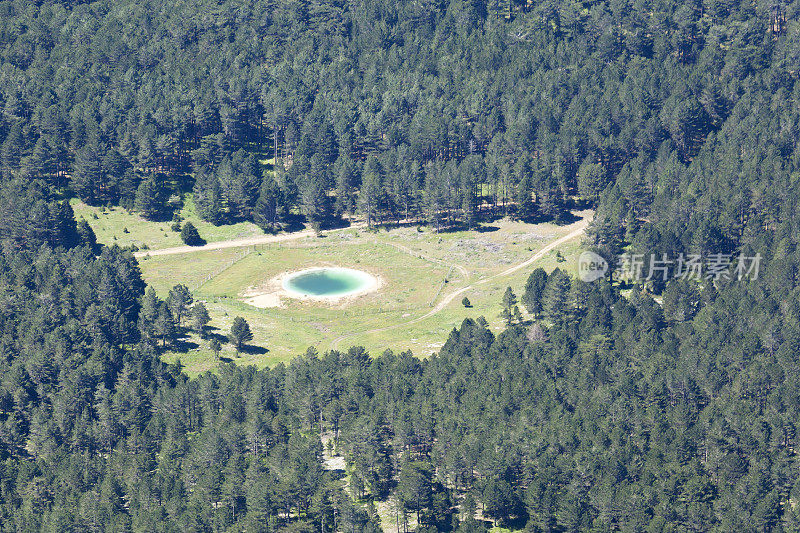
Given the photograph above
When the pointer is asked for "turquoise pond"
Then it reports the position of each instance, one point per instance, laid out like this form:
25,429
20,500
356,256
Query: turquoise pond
328,282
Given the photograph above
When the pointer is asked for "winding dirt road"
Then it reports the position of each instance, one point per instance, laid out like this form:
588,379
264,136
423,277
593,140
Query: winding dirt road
580,228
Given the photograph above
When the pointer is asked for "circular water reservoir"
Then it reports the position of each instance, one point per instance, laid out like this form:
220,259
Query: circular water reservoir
328,282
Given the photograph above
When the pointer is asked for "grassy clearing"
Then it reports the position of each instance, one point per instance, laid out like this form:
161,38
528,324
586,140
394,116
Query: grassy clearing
496,248
288,331
115,225
162,272
411,264
427,336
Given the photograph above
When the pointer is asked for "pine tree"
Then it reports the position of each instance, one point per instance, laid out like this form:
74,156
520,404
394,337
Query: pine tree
345,173
414,486
88,179
240,333
207,195
517,315
368,196
509,298
178,301
509,303
215,347
148,314
200,319
591,180
555,294
86,235
42,162
63,229
534,289
499,499
151,198
239,177
12,150
313,200
164,325
271,205
190,235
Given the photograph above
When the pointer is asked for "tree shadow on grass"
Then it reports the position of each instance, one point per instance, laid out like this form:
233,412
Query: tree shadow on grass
336,223
253,350
389,225
562,219
213,335
486,229
294,223
491,215
452,228
196,242
565,219
182,345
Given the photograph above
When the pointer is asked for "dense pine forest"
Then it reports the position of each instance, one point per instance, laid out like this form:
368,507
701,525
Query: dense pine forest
622,407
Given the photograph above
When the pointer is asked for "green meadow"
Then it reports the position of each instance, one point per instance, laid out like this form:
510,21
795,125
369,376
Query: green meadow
414,307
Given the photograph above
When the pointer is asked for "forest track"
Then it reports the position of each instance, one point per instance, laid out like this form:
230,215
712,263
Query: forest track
580,228
238,243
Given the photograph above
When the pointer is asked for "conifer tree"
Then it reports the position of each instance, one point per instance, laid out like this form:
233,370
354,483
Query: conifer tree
508,303
240,333
200,318
179,300
150,199
190,235
534,290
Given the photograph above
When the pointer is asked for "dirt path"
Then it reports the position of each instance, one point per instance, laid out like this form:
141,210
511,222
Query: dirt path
580,227
237,243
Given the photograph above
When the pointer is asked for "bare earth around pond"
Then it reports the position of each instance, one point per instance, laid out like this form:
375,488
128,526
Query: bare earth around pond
271,294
